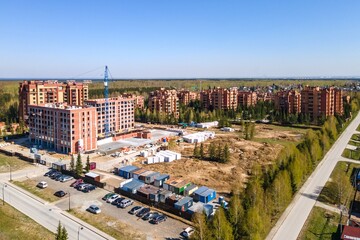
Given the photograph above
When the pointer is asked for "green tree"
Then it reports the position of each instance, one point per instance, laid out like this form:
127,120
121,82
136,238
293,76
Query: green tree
87,166
72,164
196,151
59,232
200,227
221,228
226,154
219,152
212,151
64,234
201,152
79,165
236,215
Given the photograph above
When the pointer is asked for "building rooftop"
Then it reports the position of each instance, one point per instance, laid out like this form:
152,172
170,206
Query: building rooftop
129,168
64,106
133,184
162,176
183,201
149,189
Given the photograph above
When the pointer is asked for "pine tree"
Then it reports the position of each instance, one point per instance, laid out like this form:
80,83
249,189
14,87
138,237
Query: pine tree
59,232
236,215
196,151
72,164
79,165
201,153
226,154
218,153
212,152
87,167
64,233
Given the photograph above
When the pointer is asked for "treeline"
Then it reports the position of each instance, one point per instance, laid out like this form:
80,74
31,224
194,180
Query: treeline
213,153
254,210
8,107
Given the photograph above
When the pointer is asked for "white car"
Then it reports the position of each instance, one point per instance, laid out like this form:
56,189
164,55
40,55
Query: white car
187,232
112,198
42,184
94,209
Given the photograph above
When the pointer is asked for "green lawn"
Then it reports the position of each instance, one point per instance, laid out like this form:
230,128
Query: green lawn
351,142
30,185
321,224
110,225
14,162
352,154
15,225
355,137
327,194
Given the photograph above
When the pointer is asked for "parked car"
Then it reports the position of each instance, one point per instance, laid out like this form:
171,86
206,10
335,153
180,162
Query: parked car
142,212
89,188
94,209
158,219
77,182
187,232
55,175
81,186
107,196
42,184
60,193
125,203
49,172
134,210
150,215
118,201
66,178
112,198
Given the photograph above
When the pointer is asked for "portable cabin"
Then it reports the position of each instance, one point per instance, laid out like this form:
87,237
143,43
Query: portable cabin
93,176
176,185
126,172
190,190
133,186
163,195
184,204
138,172
148,177
172,199
204,195
177,155
59,166
150,192
160,179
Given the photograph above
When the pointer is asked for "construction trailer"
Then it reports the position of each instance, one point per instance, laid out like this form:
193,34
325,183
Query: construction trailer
133,186
126,172
184,204
199,137
160,179
176,185
204,194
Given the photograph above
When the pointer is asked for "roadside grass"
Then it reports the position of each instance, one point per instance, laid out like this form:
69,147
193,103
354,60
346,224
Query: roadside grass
327,195
30,185
353,143
321,224
109,225
352,154
355,137
14,162
16,225
358,128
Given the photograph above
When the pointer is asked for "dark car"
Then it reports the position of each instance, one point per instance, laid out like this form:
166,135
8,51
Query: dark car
49,172
58,177
158,219
134,210
55,175
117,201
89,188
76,183
60,193
52,174
142,212
150,215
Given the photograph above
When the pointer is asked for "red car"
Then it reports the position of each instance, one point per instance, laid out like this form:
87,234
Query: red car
76,183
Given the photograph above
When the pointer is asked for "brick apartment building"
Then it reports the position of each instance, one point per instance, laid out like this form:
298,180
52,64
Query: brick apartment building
246,98
186,96
64,128
318,102
165,101
51,91
139,99
219,98
288,101
121,113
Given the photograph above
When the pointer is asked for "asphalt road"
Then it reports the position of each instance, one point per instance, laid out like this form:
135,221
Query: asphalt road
47,215
291,222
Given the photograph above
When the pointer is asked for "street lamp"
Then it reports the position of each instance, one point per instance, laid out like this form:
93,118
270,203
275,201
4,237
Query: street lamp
69,201
79,228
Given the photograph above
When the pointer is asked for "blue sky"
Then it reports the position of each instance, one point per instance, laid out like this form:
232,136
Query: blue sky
176,39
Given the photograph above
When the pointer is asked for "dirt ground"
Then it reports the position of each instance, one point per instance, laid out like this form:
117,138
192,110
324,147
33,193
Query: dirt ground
265,147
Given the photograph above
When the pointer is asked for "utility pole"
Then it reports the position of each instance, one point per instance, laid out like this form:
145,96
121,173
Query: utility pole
79,228
10,172
69,201
3,193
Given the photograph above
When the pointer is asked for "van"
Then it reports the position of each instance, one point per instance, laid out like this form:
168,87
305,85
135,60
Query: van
125,203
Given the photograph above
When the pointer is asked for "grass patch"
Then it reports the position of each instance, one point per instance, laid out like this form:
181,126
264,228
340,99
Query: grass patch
352,154
321,224
110,225
353,143
327,194
283,142
16,225
355,137
14,162
30,185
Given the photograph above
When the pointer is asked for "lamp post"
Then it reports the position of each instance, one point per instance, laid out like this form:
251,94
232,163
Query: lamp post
10,172
69,201
79,228
3,193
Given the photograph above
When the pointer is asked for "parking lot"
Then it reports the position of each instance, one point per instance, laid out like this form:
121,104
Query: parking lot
170,229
